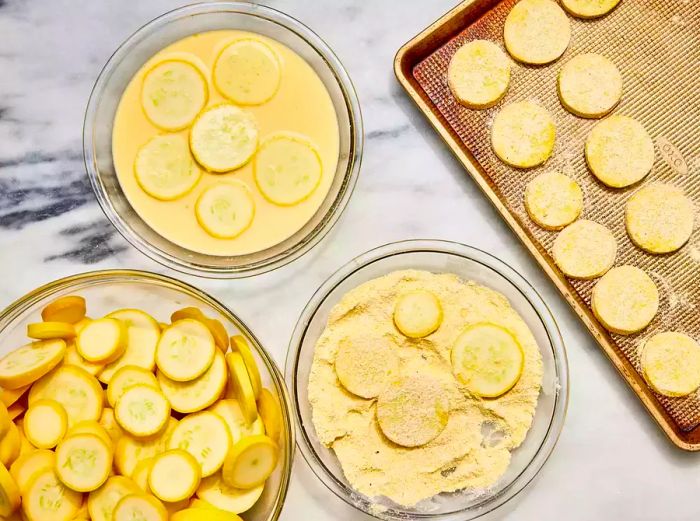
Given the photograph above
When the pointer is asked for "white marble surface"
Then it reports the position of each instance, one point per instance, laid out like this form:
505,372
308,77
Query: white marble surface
612,462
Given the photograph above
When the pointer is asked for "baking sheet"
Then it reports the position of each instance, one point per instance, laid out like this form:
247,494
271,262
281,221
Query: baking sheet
656,46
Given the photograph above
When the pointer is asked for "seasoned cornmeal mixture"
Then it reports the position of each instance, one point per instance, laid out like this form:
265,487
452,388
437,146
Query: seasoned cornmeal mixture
463,455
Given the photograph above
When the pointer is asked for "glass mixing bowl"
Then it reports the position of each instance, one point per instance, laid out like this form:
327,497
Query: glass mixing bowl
469,264
159,296
173,26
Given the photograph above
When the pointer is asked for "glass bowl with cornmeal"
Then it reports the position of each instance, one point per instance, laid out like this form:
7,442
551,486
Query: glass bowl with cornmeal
60,318
223,139
429,380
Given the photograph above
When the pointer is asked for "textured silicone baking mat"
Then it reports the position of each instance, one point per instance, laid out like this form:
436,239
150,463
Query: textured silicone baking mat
656,46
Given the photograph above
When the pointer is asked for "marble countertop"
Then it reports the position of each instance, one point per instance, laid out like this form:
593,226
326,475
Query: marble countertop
612,461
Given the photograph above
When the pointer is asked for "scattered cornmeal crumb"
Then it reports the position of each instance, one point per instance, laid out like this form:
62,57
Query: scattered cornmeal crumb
553,200
619,151
659,218
536,31
479,74
671,363
625,300
589,85
523,134
458,457
584,250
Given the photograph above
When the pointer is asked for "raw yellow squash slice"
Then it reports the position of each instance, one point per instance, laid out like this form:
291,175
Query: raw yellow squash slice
142,410
102,340
69,309
197,394
242,389
487,359
47,499
45,423
75,389
214,491
142,336
83,462
185,350
206,437
30,362
175,475
250,462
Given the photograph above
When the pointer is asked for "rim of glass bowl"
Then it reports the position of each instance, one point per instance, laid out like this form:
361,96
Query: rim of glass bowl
10,313
500,268
333,213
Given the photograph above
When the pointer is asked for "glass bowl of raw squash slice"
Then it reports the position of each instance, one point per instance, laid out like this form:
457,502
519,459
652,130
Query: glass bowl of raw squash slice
131,395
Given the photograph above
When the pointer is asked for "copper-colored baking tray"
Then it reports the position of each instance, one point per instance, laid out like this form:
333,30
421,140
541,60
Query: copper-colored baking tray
656,45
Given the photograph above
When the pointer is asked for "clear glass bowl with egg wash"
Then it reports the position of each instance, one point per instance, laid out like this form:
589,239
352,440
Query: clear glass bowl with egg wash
469,264
158,295
199,19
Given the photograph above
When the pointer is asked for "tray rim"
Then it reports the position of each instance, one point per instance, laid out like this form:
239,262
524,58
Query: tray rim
403,66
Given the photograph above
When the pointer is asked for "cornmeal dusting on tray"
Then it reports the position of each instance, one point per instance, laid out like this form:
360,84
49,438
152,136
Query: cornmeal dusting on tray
458,457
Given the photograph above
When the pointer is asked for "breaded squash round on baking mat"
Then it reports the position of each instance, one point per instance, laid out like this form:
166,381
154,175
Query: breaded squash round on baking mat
413,410
671,363
365,366
589,8
584,250
553,200
479,74
247,72
225,209
619,151
523,134
625,300
287,169
589,85
487,359
659,218
417,313
164,168
173,93
536,31
223,138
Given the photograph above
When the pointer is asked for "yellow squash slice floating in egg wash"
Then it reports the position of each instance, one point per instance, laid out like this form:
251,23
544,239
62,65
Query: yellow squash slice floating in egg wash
173,93
247,72
223,138
164,168
226,209
487,359
287,169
